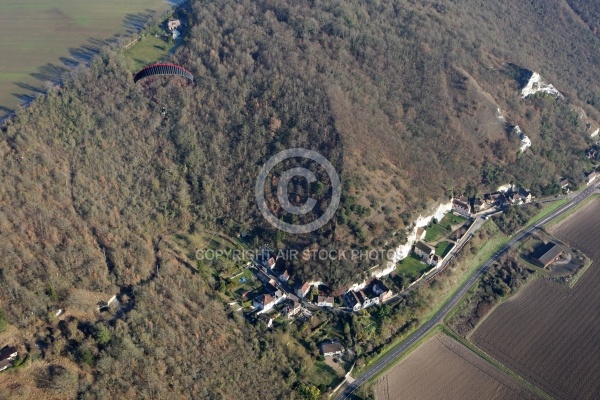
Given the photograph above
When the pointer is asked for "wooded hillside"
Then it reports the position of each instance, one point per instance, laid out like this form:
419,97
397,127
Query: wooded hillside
401,96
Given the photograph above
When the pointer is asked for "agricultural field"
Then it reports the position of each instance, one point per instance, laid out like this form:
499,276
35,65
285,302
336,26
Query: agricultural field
549,333
442,368
41,39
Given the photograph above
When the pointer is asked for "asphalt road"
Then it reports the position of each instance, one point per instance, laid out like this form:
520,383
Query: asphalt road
398,351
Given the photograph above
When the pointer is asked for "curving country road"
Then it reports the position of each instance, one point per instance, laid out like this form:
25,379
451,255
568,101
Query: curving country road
398,351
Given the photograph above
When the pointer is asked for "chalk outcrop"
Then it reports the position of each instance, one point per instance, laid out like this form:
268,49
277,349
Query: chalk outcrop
537,84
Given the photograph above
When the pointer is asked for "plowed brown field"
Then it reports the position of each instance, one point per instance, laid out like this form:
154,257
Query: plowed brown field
550,334
442,368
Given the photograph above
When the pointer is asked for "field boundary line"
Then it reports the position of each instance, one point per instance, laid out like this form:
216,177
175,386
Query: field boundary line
558,220
495,363
434,331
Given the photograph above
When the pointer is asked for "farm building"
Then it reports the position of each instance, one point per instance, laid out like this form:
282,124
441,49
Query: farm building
546,254
7,355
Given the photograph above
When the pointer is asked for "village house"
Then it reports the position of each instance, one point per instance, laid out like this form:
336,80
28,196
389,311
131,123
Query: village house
479,205
420,234
266,301
591,177
525,195
302,289
7,355
291,308
324,301
330,349
174,24
434,260
564,183
368,298
285,276
381,290
461,206
266,259
423,250
496,198
352,300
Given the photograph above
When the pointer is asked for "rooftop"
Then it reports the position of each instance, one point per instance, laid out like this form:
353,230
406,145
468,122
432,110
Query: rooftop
547,253
6,352
423,247
331,347
324,299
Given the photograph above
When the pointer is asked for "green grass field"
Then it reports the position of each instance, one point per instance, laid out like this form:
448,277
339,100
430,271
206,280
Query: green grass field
147,51
443,248
38,36
452,219
436,232
411,267
322,374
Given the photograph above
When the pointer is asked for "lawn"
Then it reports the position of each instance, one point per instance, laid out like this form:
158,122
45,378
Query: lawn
39,38
411,267
322,374
148,50
436,232
246,282
443,248
452,219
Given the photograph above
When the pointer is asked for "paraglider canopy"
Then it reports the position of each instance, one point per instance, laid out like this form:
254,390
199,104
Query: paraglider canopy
163,69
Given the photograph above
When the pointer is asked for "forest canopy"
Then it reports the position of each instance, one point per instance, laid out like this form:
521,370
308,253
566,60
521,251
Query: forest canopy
402,97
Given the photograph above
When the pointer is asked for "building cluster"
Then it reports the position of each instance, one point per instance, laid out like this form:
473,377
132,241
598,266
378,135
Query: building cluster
501,198
427,254
174,25
506,198
375,293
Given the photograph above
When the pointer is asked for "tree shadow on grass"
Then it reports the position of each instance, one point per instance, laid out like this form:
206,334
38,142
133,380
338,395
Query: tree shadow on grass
6,110
55,74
